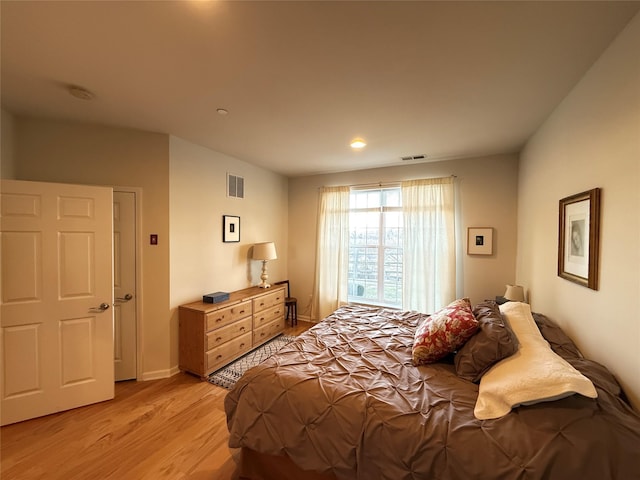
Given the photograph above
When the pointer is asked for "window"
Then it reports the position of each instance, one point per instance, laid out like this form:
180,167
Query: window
391,246
375,246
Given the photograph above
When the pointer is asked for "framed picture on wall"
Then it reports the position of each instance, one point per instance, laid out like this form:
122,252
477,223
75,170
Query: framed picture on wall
579,238
480,241
230,228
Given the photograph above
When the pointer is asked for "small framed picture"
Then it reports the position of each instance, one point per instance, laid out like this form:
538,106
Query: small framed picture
579,237
230,228
480,241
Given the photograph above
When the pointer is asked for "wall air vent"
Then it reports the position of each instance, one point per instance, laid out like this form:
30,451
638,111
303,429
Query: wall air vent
235,186
414,157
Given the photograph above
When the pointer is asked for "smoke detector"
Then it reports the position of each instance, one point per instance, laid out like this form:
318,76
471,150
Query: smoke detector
80,92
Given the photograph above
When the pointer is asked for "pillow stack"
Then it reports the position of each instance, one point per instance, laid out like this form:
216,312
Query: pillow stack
502,348
533,374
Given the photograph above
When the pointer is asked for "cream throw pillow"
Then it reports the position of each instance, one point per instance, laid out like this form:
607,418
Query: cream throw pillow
533,374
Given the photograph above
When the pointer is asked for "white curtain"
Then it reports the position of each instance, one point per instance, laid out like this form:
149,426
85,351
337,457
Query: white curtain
332,255
429,250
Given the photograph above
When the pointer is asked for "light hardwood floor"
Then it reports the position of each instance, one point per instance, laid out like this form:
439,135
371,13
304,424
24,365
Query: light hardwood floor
173,428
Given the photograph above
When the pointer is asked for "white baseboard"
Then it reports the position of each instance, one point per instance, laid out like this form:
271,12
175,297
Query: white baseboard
158,374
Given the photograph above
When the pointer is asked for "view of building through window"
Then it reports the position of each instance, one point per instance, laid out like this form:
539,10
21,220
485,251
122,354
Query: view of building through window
375,246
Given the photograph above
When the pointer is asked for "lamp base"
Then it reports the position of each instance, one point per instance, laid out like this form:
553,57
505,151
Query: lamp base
264,276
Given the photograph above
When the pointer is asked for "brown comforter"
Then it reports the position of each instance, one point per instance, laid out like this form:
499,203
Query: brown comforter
345,399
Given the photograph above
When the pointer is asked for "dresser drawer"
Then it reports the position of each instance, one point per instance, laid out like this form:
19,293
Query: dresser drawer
224,334
269,300
228,351
264,333
265,316
227,315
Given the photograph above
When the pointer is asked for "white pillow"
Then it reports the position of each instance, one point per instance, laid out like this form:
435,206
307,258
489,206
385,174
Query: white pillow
533,374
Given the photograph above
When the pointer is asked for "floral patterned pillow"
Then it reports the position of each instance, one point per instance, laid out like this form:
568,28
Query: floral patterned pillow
444,332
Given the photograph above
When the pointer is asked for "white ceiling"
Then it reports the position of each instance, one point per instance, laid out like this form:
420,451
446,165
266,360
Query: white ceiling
301,79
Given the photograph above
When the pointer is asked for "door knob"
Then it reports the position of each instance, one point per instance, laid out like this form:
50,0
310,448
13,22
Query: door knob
100,308
126,298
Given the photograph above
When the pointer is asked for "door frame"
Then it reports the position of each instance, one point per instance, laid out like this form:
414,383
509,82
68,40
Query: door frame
137,191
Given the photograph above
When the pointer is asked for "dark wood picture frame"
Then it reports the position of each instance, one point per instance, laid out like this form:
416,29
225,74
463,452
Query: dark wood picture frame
230,228
579,238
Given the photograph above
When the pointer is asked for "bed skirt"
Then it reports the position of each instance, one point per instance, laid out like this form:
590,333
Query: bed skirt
260,466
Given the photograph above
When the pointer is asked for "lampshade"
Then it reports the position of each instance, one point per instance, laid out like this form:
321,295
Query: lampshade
264,251
515,293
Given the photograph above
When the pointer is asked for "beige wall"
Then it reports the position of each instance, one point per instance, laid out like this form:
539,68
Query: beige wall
7,156
57,151
488,190
190,258
591,140
200,262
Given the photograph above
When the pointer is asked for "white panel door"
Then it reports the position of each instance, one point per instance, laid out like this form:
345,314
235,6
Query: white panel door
56,335
124,285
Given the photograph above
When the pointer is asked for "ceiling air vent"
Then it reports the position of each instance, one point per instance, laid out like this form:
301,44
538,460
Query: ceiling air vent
414,157
235,186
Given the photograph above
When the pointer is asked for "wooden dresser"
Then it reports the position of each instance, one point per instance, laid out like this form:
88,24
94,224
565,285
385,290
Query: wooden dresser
214,334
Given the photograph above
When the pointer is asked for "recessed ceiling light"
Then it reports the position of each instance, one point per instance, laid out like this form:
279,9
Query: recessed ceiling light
358,143
222,111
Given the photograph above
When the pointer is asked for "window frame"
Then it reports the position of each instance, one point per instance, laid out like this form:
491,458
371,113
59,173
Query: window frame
382,247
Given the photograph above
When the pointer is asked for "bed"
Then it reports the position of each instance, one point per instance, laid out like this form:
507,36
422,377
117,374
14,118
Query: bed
346,401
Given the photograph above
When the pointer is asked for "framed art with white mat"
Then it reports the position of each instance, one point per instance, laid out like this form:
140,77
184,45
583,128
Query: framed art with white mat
579,238
480,241
230,228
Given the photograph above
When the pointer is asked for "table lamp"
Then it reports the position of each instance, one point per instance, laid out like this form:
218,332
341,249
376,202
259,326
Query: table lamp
514,293
264,251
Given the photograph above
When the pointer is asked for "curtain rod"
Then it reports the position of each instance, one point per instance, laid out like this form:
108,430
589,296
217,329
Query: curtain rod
386,184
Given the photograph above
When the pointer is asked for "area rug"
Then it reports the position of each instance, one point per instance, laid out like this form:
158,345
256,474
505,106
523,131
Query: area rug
228,376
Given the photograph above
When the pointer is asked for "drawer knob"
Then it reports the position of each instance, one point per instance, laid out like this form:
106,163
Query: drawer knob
242,345
242,329
218,339
218,357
